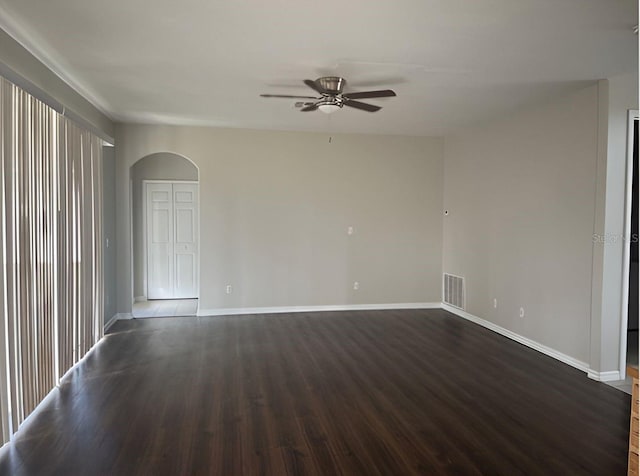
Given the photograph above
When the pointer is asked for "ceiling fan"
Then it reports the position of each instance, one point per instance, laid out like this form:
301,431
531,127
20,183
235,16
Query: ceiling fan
331,97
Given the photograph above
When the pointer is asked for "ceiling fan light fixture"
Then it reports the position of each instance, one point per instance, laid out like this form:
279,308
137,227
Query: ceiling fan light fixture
328,108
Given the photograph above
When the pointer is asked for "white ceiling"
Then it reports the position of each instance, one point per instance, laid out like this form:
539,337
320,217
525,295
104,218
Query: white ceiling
205,62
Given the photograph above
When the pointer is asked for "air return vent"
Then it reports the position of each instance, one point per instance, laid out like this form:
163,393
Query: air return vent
453,290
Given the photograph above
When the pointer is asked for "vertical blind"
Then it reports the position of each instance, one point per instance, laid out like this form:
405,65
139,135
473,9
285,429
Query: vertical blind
51,286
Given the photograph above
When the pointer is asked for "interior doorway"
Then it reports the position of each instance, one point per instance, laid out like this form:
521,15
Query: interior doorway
631,245
165,236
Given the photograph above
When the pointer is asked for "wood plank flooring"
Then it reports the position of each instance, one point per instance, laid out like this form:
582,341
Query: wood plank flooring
351,393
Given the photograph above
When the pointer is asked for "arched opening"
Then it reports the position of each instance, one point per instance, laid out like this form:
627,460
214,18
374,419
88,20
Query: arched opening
164,236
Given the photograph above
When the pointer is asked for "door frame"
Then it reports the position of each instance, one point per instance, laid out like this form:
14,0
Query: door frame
145,254
632,115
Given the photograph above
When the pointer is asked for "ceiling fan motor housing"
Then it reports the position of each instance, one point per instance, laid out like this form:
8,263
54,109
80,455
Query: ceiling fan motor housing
332,84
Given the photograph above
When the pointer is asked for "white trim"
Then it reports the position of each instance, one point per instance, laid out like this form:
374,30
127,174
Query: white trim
633,115
37,48
124,316
143,226
338,307
140,299
110,322
609,376
578,364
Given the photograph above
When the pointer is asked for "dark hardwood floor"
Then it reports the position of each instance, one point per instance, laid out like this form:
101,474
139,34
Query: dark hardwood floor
353,393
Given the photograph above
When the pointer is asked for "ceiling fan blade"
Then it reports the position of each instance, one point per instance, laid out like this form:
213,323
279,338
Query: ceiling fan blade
313,85
385,93
286,96
311,107
362,105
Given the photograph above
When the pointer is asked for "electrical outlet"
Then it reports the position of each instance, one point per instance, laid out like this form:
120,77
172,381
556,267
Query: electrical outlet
350,231
229,289
495,303
522,312
356,285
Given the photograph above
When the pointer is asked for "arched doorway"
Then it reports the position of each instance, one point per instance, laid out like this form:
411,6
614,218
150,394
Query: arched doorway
165,236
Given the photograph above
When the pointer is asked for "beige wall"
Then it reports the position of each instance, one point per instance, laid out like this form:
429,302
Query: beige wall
275,208
161,166
520,193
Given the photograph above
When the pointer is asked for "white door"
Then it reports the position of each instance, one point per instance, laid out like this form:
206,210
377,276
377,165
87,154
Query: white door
172,234
185,246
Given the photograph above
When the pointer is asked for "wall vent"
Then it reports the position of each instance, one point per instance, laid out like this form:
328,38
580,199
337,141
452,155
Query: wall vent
453,291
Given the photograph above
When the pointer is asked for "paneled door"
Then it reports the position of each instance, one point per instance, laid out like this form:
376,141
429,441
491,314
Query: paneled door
172,240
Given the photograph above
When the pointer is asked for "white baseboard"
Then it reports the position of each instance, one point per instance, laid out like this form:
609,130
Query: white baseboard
110,322
583,366
339,307
609,376
124,316
140,299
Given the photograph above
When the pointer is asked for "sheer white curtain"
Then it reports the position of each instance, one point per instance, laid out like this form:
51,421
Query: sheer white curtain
51,277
